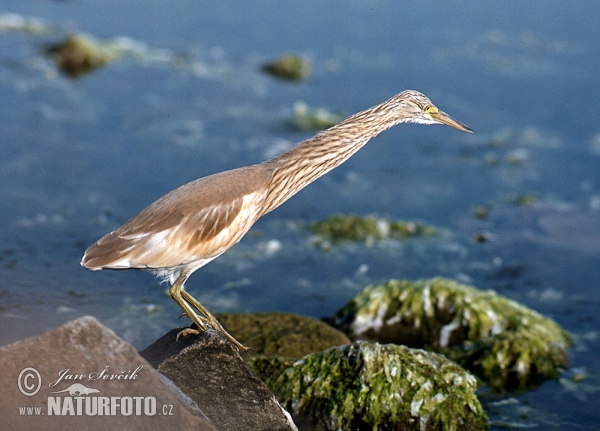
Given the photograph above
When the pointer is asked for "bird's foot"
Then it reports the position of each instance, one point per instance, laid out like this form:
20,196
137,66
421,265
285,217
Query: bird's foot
207,320
213,325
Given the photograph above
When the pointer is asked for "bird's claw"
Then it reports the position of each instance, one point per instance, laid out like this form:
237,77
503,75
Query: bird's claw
185,332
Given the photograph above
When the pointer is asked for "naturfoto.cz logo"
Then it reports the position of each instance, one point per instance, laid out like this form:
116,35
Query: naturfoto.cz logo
78,399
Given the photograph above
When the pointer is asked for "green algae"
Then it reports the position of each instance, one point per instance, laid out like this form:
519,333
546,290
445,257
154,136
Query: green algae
516,200
522,200
290,67
369,386
370,228
507,345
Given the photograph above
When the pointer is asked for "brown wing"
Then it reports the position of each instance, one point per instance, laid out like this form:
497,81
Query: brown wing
191,223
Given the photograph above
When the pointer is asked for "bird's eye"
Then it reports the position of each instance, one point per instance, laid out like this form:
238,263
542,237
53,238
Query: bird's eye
429,109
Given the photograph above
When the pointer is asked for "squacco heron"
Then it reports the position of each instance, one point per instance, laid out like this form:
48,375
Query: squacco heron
197,222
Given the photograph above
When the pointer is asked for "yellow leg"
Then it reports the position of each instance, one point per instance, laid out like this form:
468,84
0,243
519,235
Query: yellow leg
176,293
184,299
211,320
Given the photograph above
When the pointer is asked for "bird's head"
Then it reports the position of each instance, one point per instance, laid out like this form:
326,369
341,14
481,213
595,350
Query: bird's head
413,107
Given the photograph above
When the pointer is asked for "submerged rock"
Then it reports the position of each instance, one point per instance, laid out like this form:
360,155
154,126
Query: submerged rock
309,120
506,344
290,67
353,228
369,386
516,200
80,54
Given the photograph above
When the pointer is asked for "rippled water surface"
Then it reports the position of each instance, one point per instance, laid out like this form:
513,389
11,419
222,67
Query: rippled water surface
79,157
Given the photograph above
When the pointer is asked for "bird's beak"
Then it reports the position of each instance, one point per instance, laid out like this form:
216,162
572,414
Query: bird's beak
443,118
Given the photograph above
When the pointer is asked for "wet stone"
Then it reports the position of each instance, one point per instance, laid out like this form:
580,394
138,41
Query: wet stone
507,345
281,334
278,339
209,369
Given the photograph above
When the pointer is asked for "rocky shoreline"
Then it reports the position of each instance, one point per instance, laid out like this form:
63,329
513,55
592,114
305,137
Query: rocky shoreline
82,375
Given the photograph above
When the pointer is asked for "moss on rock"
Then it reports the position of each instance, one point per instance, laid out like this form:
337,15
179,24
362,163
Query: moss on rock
81,54
266,367
281,334
506,344
353,228
290,67
369,386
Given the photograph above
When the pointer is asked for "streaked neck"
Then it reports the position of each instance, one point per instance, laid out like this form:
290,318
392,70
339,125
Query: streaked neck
313,158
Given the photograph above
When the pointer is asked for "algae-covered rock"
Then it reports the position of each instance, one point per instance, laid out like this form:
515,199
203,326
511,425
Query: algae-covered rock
281,334
309,120
506,344
267,367
522,200
80,54
353,228
369,386
515,200
290,67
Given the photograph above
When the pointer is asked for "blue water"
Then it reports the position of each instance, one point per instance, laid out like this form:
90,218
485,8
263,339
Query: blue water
79,157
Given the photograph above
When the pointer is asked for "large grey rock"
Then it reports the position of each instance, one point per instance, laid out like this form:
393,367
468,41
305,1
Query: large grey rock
210,370
86,354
